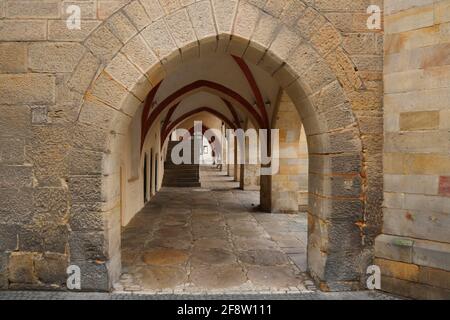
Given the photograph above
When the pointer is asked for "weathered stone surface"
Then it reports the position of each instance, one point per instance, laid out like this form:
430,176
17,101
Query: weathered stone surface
85,162
394,248
121,27
32,9
86,217
140,55
103,43
96,112
109,91
12,151
224,13
435,277
413,289
84,73
213,257
124,72
89,137
275,277
54,57
155,278
51,268
263,257
416,224
8,237
15,121
13,57
153,9
55,238
4,270
165,257
51,204
431,254
27,89
201,16
335,185
214,277
342,266
398,270
159,39
105,8
94,275
137,15
23,30
170,5
85,188
49,154
58,31
212,244
15,176
180,28
87,246
21,269
425,120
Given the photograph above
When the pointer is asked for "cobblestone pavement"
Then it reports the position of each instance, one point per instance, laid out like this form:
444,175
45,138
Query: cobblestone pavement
213,239
41,295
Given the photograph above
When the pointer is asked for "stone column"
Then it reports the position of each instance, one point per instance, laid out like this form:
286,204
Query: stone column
237,167
288,188
250,172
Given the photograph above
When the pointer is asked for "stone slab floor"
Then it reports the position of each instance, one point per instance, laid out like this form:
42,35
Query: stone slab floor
213,239
210,243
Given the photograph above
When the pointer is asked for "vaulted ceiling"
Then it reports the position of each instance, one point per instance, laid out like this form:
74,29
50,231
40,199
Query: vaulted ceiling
222,85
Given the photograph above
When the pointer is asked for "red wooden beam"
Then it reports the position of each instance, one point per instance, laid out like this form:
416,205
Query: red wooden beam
197,85
204,129
168,116
233,112
146,111
255,89
191,113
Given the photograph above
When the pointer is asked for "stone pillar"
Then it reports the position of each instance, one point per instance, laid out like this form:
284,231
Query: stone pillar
250,177
250,172
224,144
265,193
289,187
237,167
230,158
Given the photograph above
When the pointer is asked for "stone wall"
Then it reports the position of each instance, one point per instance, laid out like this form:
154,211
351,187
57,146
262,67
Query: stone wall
50,170
414,250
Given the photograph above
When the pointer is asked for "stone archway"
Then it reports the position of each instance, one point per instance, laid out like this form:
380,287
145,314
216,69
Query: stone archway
130,53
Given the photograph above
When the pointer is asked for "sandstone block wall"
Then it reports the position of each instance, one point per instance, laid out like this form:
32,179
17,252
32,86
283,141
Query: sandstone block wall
414,250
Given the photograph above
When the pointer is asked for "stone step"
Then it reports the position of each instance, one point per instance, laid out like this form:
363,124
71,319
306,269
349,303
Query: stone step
183,185
172,166
172,174
187,170
182,177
